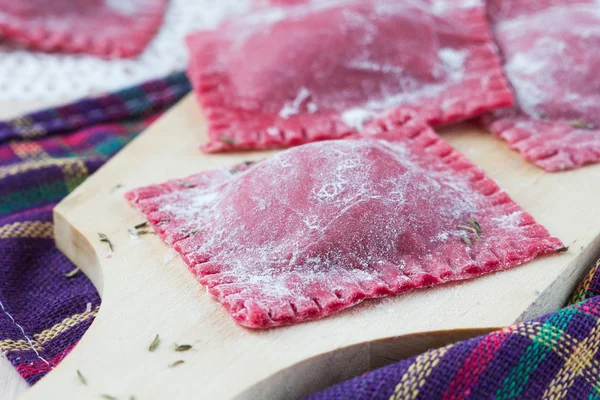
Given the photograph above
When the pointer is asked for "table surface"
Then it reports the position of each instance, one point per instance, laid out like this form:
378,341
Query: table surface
11,383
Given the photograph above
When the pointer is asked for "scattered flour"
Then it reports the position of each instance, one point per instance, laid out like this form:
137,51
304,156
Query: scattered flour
124,7
169,256
453,59
357,117
442,236
293,108
441,7
510,221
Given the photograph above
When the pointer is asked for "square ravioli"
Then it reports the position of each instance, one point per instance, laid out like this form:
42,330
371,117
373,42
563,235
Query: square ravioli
323,226
106,28
552,58
294,74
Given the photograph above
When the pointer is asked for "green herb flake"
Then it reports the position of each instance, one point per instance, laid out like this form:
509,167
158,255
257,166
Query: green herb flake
134,232
475,225
227,139
81,378
182,347
154,343
466,240
140,226
108,397
469,229
176,363
105,239
188,232
563,249
237,168
579,124
72,274
187,185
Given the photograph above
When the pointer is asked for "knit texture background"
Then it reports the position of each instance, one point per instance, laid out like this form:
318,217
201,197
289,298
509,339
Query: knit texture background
43,313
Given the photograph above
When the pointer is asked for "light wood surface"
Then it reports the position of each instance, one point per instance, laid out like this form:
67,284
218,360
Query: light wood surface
11,383
147,289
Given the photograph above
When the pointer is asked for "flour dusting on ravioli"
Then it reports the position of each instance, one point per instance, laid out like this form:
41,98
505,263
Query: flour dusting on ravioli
323,226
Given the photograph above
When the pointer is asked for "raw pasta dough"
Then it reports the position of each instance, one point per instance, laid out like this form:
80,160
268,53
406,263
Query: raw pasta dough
288,75
321,227
552,59
107,28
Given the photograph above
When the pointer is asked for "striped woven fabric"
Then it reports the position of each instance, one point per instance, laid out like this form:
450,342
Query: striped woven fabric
553,357
43,157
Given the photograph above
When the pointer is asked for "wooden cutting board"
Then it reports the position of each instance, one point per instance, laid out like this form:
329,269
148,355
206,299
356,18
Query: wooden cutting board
146,289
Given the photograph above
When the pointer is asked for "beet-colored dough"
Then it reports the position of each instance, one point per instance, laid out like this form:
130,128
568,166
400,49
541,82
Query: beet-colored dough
289,75
552,59
320,227
106,28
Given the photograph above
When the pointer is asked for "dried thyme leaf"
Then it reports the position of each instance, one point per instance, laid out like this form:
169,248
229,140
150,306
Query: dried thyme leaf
142,225
475,225
105,239
108,397
145,232
466,240
238,167
176,363
81,377
579,124
118,186
140,232
187,185
469,229
72,274
563,249
227,139
189,233
182,347
131,397
154,343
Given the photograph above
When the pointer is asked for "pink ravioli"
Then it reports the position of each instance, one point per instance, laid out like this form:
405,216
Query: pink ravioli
551,51
106,28
288,75
320,227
